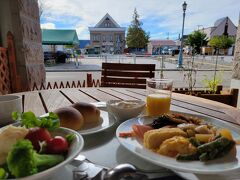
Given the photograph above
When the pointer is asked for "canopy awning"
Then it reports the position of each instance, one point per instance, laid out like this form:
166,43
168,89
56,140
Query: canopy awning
59,37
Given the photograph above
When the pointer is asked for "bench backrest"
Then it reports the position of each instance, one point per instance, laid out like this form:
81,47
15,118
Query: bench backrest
126,75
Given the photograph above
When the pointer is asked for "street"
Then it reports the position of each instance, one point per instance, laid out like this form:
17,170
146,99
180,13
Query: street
73,71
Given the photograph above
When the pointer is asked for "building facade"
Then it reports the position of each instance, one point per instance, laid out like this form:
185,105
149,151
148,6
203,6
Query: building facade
107,36
223,26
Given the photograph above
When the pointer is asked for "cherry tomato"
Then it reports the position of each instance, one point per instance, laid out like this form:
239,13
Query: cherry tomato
57,145
36,135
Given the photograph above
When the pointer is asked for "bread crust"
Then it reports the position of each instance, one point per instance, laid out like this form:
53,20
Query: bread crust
91,113
70,118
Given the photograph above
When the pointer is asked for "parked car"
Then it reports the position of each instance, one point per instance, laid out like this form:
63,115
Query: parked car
173,51
165,51
49,55
61,57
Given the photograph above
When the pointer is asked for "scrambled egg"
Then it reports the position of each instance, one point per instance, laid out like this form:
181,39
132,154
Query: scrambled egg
176,145
154,138
8,137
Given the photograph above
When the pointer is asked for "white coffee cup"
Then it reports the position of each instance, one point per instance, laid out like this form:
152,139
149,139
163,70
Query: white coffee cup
8,104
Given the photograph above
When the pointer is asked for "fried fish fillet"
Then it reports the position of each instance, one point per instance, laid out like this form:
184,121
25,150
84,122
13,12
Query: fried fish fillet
154,138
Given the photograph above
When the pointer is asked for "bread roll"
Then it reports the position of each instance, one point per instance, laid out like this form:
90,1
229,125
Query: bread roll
91,113
70,118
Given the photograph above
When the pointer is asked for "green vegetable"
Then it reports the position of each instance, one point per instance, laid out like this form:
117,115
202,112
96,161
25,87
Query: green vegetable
3,173
23,161
188,157
209,151
70,138
29,120
215,149
194,141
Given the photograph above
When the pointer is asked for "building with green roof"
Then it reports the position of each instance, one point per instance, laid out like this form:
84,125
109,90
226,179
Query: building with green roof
59,37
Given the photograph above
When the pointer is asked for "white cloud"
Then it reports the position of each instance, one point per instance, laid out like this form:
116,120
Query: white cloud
48,26
167,13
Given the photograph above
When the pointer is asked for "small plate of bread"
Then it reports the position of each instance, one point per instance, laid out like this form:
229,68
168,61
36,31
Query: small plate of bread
85,118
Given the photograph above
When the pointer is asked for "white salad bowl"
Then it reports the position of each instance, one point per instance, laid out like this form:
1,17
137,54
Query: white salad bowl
125,109
74,150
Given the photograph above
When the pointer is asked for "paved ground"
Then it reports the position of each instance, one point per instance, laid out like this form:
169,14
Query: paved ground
73,71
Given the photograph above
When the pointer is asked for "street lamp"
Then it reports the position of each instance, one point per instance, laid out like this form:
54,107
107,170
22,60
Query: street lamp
180,56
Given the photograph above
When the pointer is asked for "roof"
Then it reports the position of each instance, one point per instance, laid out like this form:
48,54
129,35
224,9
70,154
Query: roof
59,37
219,21
83,43
107,29
162,42
110,18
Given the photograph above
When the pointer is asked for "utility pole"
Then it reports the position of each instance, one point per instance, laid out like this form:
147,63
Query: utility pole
180,55
167,35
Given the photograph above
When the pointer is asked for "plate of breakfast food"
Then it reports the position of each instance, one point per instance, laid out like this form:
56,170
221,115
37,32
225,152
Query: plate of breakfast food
85,118
183,142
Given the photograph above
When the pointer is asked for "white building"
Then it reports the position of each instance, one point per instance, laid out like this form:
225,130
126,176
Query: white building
107,36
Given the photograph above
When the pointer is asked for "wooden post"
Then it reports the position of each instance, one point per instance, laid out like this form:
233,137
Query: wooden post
219,89
234,100
89,80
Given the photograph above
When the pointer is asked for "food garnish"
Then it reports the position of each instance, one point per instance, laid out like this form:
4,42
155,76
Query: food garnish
29,120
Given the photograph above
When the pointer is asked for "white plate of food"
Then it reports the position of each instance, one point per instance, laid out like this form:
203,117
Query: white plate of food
227,163
106,121
21,152
85,118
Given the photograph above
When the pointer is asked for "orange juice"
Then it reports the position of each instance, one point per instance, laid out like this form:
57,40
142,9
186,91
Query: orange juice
158,104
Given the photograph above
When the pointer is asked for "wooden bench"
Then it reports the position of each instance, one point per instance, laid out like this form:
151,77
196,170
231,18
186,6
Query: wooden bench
126,75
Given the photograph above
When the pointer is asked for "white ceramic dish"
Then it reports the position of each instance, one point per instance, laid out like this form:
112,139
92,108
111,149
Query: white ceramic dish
106,121
8,104
74,150
225,164
125,113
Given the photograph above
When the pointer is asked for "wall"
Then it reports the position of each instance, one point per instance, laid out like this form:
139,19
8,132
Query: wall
235,82
21,17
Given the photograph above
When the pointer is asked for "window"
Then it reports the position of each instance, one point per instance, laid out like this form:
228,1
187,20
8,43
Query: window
103,37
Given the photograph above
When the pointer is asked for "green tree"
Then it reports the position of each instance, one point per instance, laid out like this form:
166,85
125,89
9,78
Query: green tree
197,39
221,42
136,36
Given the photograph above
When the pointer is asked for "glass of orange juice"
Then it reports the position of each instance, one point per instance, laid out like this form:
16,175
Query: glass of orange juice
159,93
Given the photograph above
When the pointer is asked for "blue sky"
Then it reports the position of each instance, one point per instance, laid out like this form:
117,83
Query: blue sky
160,18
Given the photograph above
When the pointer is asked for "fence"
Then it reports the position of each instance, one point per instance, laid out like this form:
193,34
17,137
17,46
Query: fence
5,87
89,82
